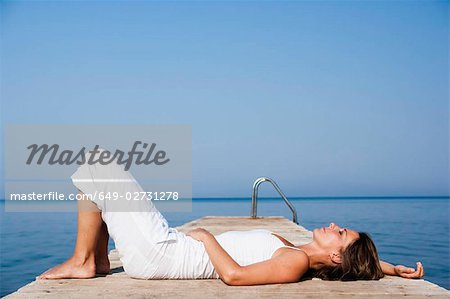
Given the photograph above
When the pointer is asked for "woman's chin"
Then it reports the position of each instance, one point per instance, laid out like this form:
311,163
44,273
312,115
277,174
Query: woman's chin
315,232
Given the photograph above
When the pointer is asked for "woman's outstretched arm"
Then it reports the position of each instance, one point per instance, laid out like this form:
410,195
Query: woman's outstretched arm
402,271
286,267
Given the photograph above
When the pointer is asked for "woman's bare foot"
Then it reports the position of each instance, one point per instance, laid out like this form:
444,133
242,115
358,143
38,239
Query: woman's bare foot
72,268
102,265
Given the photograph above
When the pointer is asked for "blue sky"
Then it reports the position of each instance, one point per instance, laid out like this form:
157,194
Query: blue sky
328,98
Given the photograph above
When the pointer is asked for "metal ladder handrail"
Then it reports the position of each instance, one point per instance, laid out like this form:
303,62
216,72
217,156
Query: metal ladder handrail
256,184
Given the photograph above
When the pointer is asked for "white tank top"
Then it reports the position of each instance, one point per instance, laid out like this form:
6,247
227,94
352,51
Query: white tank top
245,247
251,246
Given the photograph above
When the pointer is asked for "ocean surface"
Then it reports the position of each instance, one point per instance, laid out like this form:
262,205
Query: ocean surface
405,230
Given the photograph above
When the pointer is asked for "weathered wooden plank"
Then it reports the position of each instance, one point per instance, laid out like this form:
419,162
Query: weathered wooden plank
118,284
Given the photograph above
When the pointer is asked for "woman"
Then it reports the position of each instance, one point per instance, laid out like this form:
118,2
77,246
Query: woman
150,249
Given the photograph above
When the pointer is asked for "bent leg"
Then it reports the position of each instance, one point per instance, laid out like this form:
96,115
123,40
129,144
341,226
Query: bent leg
102,265
82,264
140,232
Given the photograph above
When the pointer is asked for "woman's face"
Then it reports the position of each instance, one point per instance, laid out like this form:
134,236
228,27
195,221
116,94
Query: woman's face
334,238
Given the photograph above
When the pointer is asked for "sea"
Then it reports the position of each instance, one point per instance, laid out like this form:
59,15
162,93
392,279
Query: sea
405,230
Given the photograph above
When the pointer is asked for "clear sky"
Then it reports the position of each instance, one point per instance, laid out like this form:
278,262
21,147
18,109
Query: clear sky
328,98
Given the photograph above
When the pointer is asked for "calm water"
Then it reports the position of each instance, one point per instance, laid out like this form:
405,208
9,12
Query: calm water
405,230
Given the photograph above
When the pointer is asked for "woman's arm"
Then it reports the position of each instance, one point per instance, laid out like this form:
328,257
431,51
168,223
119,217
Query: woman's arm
286,267
402,271
387,268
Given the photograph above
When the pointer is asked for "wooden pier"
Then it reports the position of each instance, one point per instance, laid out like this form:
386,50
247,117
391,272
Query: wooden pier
119,285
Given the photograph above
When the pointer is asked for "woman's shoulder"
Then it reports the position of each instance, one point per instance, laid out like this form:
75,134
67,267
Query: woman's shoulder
295,261
292,253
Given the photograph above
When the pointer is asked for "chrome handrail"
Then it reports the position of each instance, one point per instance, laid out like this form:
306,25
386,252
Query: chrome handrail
256,184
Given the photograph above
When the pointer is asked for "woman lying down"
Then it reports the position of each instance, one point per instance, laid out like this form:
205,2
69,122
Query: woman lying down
150,249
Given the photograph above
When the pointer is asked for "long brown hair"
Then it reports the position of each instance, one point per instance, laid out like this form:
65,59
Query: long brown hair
359,262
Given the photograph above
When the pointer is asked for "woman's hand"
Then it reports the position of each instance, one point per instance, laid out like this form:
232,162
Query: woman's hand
407,272
198,234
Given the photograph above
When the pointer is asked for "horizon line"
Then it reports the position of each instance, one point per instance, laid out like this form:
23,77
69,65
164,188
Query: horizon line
319,197
331,196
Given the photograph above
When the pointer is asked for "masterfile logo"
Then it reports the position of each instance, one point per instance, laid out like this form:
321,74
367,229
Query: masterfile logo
68,157
132,163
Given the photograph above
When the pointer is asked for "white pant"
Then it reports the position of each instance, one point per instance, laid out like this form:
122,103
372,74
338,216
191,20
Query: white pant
147,246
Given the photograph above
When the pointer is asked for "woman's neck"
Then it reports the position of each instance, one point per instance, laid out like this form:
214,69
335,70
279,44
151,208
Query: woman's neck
315,254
